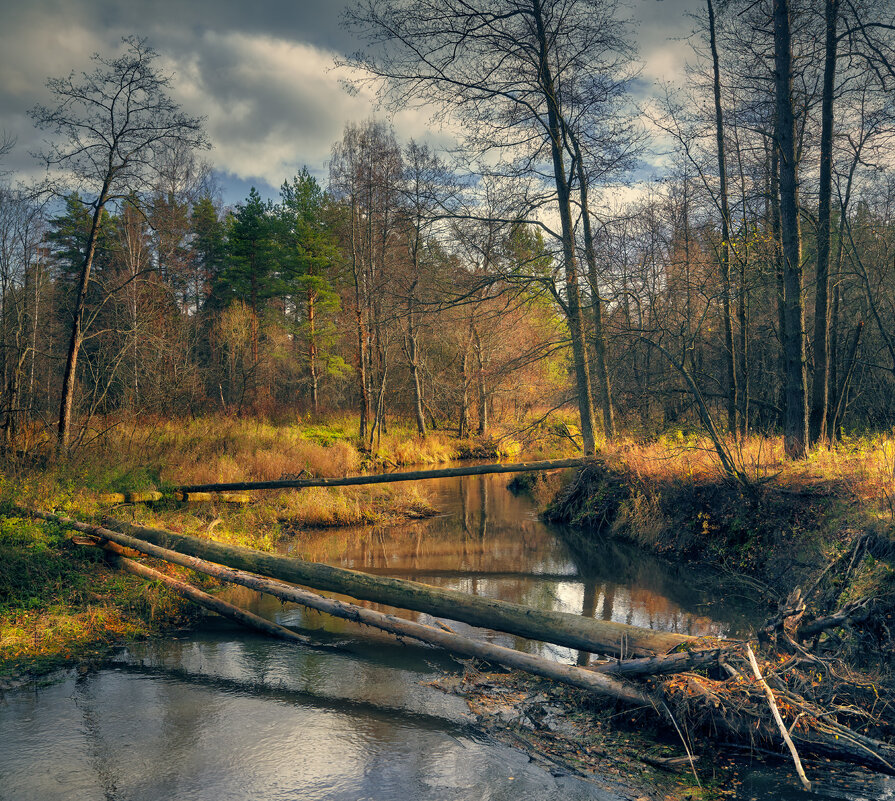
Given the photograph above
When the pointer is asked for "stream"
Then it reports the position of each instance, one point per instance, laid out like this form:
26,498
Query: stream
221,713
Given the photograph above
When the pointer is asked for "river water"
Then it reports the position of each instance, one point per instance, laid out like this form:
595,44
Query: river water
224,714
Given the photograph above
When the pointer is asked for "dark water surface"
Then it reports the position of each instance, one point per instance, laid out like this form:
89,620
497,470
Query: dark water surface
224,714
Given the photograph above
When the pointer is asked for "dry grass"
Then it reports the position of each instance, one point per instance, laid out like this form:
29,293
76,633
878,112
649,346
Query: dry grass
348,506
162,454
861,466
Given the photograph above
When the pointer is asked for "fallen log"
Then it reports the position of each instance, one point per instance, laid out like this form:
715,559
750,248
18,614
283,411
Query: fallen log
203,599
855,611
561,628
387,478
206,497
592,681
654,665
148,496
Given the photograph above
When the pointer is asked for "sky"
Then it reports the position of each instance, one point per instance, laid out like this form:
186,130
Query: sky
263,73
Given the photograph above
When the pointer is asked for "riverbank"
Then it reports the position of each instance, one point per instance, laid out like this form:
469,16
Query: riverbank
61,605
813,540
795,524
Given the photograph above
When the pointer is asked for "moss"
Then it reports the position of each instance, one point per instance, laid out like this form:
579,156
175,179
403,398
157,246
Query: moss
59,603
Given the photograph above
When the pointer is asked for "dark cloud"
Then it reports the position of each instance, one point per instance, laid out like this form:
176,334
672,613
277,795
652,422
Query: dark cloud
262,72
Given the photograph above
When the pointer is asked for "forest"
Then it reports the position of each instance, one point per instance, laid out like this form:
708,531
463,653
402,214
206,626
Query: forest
746,289
674,300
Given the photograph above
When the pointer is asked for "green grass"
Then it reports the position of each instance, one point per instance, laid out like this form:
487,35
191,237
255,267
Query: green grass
60,603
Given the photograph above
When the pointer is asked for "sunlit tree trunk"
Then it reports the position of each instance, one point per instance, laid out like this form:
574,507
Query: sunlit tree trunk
573,292
795,428
820,395
481,385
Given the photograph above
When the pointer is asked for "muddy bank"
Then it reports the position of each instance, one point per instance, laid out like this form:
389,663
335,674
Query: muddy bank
778,537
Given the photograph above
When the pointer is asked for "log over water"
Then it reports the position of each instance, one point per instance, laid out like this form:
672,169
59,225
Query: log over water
593,681
387,478
561,628
245,618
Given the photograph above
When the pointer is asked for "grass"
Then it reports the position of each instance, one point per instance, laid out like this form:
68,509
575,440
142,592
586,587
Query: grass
60,603
861,465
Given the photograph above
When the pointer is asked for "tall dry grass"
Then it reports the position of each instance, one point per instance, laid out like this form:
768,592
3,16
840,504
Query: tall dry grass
861,466
162,453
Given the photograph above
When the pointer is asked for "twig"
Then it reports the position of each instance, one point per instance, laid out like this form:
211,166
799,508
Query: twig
780,724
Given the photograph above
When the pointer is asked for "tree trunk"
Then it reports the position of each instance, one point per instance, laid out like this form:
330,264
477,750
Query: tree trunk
599,339
32,404
841,398
742,351
820,396
729,358
778,274
573,293
463,426
312,348
379,414
795,428
254,299
413,358
357,267
481,387
77,335
603,388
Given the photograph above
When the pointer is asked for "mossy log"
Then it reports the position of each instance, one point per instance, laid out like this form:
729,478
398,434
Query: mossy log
561,628
387,478
212,497
149,496
186,497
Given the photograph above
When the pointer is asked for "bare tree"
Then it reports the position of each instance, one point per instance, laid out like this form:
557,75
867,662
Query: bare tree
795,426
513,71
109,128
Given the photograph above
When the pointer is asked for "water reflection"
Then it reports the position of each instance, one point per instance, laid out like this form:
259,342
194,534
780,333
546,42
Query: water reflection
196,722
490,542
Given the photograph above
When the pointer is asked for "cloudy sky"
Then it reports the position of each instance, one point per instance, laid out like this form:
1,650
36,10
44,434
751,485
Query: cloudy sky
262,72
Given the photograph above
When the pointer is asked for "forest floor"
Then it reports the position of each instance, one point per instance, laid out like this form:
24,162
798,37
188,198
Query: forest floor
61,605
